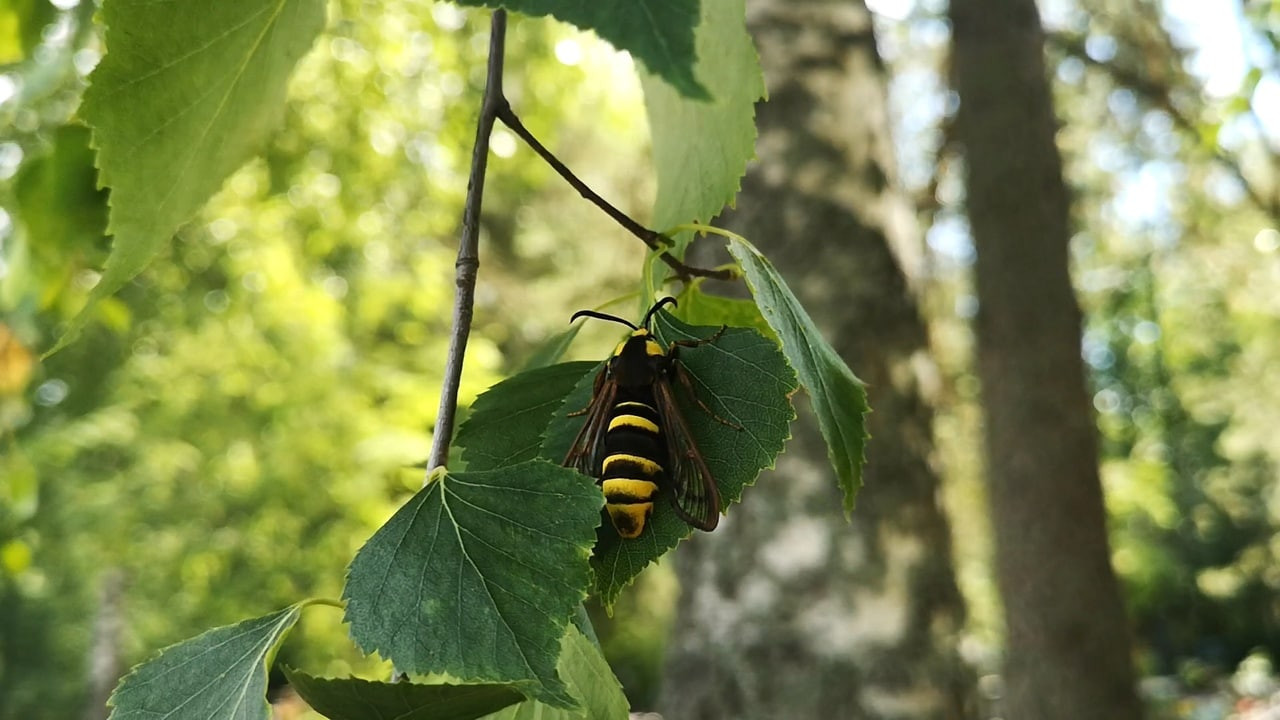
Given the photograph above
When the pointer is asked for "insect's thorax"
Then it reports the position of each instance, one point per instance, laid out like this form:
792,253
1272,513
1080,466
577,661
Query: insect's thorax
638,361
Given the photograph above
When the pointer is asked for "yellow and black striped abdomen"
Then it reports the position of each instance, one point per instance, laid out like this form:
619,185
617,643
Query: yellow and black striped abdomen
632,468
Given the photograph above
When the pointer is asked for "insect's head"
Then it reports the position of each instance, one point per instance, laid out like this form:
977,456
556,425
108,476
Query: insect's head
644,357
641,330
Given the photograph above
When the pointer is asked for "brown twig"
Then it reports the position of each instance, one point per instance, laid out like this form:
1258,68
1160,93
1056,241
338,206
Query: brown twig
654,240
468,262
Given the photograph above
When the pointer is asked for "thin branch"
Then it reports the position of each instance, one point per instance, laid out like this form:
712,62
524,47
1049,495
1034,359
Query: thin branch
654,240
468,262
688,272
1160,95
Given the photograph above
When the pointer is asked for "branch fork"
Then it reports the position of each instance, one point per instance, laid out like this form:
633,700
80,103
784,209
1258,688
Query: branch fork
494,107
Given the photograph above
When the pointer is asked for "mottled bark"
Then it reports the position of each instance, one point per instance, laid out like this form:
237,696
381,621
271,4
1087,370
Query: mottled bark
787,610
1067,638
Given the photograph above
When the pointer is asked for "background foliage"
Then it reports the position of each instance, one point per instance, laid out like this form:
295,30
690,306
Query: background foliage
1170,153
240,417
202,446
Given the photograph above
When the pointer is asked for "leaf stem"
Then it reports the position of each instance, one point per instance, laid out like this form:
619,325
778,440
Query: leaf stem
329,602
468,263
656,241
713,230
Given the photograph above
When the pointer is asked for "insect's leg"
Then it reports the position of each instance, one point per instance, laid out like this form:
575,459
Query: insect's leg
703,341
683,377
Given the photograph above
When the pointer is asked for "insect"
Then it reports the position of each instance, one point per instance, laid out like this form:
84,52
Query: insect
636,441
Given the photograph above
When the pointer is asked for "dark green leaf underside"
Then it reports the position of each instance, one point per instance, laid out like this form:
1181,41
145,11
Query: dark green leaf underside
507,420
477,576
658,33
356,699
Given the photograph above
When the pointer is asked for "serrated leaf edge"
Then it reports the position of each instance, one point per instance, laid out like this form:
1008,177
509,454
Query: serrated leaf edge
289,617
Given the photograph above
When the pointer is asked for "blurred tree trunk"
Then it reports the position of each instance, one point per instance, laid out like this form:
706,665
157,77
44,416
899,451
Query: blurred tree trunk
1068,652
787,610
104,652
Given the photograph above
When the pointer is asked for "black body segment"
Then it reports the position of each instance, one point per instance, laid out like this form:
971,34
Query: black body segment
634,458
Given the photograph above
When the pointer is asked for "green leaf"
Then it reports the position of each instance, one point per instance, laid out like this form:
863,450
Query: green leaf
186,93
591,682
838,397
59,202
700,308
356,699
658,33
507,420
701,149
582,621
743,378
220,674
477,576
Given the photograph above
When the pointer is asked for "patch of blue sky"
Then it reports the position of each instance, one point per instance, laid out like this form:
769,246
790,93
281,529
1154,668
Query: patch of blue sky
1221,46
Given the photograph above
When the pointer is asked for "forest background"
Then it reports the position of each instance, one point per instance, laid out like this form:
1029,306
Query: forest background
191,461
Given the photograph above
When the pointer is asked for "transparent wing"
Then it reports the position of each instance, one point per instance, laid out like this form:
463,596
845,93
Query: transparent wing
693,491
584,453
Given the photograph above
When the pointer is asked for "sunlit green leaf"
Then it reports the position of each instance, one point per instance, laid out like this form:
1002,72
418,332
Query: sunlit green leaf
838,397
658,33
590,680
59,202
186,93
507,420
701,149
477,576
701,308
356,699
220,674
744,379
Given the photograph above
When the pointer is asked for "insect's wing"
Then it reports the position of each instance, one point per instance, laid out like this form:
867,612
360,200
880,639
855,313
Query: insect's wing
584,453
693,491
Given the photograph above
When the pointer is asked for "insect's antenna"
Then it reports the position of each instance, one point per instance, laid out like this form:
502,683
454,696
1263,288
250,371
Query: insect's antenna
602,316
657,306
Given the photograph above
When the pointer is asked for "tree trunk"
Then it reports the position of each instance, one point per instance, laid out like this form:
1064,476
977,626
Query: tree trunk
104,653
1068,652
788,610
